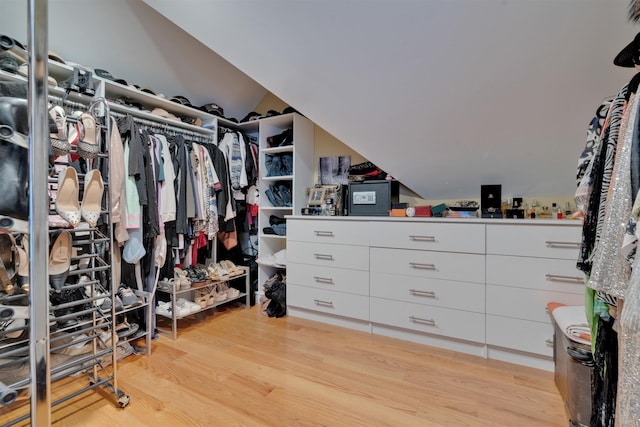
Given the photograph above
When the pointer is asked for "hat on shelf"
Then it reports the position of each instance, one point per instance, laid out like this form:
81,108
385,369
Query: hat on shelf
272,113
149,90
181,100
164,113
107,75
212,108
251,116
55,57
23,70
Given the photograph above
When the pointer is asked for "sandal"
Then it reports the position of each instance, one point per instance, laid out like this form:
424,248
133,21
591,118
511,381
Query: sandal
9,260
23,268
231,292
67,204
231,268
59,140
59,259
219,295
182,281
88,143
92,197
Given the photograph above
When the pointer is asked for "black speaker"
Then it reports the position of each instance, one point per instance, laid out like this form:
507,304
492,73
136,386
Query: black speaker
491,201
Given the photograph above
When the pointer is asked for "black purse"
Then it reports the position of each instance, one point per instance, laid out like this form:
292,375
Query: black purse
14,165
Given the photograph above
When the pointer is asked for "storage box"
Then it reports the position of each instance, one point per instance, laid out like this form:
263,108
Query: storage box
372,198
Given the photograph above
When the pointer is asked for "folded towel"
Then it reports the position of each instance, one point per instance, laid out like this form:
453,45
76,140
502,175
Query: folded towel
572,320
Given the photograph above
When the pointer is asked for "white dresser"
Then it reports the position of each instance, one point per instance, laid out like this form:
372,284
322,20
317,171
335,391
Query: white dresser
429,279
476,286
527,267
328,271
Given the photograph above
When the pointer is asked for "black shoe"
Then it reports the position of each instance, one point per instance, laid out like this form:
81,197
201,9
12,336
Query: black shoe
73,82
86,83
8,63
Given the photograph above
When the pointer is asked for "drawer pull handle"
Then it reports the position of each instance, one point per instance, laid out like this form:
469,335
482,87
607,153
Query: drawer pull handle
561,278
418,292
323,303
429,322
423,238
324,256
549,342
323,233
319,279
551,244
422,266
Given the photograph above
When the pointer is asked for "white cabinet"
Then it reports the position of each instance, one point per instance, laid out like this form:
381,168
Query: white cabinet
428,280
477,286
285,172
528,267
328,271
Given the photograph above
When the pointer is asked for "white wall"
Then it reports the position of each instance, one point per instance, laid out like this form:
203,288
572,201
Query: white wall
136,43
443,95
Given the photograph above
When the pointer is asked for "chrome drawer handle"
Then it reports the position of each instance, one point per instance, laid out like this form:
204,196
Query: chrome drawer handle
549,343
324,256
319,279
323,233
561,278
551,244
422,266
417,292
323,303
429,322
422,238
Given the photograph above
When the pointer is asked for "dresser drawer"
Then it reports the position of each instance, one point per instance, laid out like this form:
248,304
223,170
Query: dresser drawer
333,232
437,265
330,302
521,335
329,278
323,254
429,236
526,304
458,324
434,292
547,274
545,241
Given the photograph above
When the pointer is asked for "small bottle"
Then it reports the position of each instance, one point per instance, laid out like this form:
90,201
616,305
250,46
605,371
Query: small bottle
567,210
532,212
556,213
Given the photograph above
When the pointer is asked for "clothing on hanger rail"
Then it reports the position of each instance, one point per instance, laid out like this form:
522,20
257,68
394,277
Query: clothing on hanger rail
167,129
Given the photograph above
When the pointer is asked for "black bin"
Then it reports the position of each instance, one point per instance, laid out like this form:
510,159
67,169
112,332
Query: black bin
573,374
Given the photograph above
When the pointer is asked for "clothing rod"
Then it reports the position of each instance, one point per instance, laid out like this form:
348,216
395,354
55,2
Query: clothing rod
166,127
66,103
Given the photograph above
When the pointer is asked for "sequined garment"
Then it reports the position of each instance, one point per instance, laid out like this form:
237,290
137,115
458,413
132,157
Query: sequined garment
610,272
628,398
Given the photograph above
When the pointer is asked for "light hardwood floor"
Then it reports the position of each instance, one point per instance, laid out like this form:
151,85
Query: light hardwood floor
240,368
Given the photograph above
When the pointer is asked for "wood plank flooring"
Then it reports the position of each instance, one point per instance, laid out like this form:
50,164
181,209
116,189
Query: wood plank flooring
240,368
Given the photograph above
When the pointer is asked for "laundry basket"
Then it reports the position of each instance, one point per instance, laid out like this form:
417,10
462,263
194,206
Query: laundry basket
573,365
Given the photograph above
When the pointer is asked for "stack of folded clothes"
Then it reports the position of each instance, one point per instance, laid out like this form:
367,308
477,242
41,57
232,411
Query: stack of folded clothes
278,226
572,320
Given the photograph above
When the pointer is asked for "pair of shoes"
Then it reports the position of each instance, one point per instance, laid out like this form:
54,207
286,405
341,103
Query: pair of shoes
128,298
59,140
231,268
81,81
126,329
231,292
184,306
181,278
169,285
67,204
105,307
281,140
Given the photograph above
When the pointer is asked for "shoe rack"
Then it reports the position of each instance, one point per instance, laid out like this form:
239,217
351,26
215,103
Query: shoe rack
209,294
300,149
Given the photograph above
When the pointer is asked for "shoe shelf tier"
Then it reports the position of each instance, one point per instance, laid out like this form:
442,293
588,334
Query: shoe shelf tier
189,295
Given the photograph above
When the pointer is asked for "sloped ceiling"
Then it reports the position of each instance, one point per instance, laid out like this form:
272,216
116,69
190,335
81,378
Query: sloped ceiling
443,95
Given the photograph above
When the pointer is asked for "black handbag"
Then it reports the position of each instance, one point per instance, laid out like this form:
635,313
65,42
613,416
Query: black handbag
14,165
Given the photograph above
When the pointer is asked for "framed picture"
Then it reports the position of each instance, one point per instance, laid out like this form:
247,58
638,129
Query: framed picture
316,196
